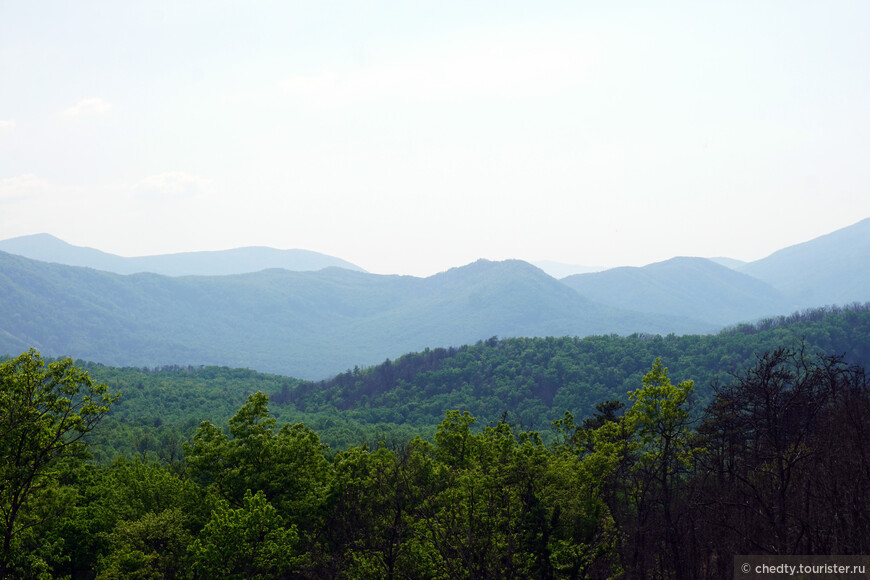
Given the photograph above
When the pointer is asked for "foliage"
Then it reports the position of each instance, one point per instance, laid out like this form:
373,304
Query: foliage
777,465
153,546
46,412
534,380
288,465
662,454
248,542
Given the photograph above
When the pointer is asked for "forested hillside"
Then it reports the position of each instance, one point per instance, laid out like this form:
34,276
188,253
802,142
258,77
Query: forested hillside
527,381
534,380
777,463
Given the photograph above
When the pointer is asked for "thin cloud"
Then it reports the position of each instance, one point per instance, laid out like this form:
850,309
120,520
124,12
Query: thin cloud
171,185
530,68
22,187
87,108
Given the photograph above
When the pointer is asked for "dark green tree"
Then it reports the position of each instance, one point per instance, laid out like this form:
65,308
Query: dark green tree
249,542
288,464
149,516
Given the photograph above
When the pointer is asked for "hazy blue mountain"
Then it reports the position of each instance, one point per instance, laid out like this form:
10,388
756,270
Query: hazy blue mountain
831,269
514,298
728,262
311,324
304,324
561,270
48,248
696,288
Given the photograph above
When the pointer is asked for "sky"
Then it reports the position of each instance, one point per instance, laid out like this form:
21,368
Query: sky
412,137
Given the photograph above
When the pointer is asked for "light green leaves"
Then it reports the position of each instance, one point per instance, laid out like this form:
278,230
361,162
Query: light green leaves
287,465
660,418
249,542
45,411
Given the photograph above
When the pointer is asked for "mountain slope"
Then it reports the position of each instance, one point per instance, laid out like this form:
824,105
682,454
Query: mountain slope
728,262
305,324
697,288
536,379
48,248
830,269
559,270
514,298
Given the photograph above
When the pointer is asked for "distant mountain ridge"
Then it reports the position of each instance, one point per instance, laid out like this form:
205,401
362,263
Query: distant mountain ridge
303,324
561,270
833,269
695,287
312,324
47,248
728,262
830,269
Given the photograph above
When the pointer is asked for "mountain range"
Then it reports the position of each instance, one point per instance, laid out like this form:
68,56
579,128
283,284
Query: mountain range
47,248
836,268
695,287
312,324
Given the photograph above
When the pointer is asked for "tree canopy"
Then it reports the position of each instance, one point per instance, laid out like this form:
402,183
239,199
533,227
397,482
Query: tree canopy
47,410
775,463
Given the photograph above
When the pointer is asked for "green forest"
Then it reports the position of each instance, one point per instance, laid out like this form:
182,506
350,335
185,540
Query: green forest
604,457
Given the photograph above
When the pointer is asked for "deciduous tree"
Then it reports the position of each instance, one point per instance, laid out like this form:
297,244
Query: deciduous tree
47,409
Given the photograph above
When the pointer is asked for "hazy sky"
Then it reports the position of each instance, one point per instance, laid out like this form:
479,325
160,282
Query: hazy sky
411,137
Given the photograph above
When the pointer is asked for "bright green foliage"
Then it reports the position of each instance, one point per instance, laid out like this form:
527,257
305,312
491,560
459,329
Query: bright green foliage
486,504
578,482
150,516
46,411
631,470
287,465
660,418
615,495
131,519
473,515
360,526
582,533
249,542
659,456
500,504
373,504
75,535
453,440
534,380
132,489
153,546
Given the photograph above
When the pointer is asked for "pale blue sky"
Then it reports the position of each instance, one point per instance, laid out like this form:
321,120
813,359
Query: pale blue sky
414,137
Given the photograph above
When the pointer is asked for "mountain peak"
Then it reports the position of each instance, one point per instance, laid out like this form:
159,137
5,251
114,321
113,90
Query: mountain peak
831,269
683,286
